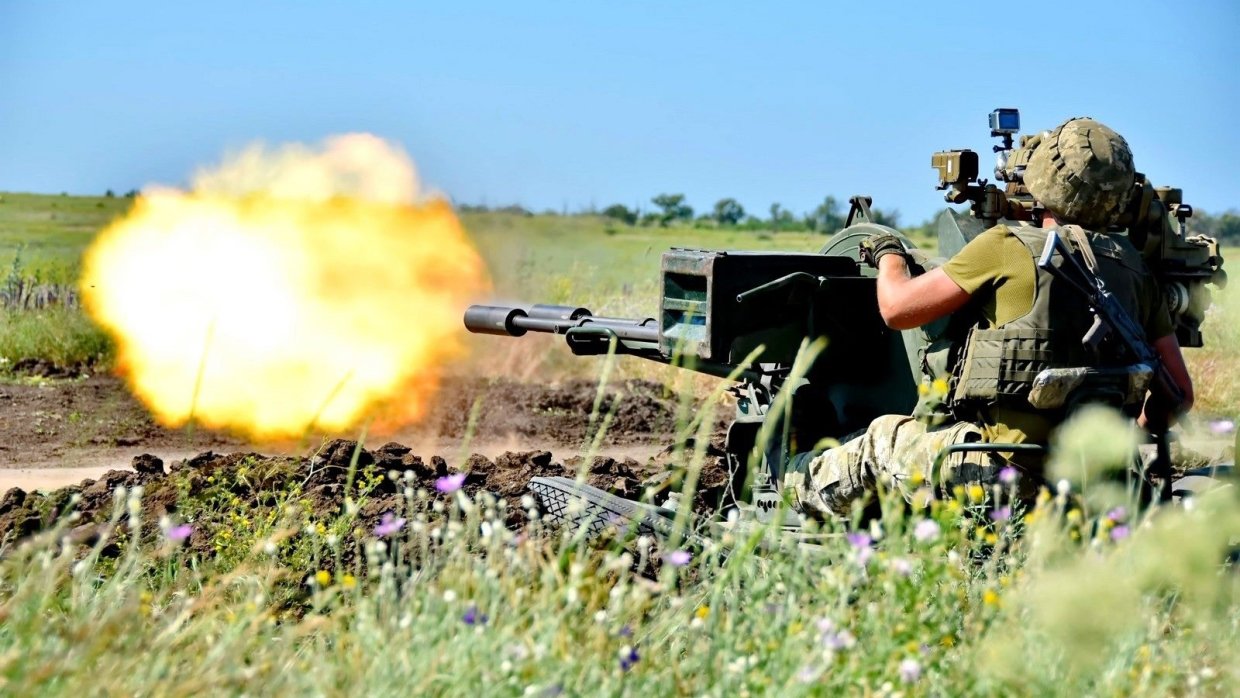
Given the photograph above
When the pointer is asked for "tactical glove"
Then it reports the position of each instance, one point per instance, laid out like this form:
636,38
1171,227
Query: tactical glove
874,247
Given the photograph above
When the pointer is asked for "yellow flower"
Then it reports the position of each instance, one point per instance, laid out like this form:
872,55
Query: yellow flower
319,528
702,612
990,597
939,386
323,578
1074,516
976,493
923,389
795,627
991,538
948,641
348,581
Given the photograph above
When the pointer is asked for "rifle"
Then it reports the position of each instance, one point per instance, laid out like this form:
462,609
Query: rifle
1115,330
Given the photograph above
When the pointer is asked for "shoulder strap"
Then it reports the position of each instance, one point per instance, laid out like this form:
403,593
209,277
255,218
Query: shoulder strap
1081,240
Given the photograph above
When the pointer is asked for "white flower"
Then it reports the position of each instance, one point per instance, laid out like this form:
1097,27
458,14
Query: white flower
926,530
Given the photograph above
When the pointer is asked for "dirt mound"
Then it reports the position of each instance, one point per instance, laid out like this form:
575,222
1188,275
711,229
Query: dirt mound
561,413
218,490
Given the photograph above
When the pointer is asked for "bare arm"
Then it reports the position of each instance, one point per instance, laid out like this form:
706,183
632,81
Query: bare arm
908,301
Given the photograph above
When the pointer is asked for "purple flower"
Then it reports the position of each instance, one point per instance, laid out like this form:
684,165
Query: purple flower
1222,427
678,558
628,657
861,547
838,641
176,534
858,539
626,631
1119,533
926,530
1001,514
388,524
1117,515
910,671
473,617
1008,475
901,566
450,483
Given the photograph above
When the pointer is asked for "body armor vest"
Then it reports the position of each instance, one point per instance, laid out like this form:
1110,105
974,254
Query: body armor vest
999,364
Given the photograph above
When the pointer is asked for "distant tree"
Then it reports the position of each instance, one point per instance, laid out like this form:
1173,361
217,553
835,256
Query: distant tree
132,193
674,208
728,212
781,218
888,218
621,213
826,218
650,218
109,194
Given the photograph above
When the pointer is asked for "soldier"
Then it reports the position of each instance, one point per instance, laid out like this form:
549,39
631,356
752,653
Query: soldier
1081,175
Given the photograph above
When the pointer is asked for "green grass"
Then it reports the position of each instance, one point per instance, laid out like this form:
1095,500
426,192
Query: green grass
1073,600
50,232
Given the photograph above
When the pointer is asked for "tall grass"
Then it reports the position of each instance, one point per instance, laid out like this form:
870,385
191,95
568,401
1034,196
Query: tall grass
950,600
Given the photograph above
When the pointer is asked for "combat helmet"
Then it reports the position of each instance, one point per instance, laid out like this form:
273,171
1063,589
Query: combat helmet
1082,172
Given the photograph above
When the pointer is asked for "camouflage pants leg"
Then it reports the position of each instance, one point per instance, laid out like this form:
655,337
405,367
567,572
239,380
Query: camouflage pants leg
896,451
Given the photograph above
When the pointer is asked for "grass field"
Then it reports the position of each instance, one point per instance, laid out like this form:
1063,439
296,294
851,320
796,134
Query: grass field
960,596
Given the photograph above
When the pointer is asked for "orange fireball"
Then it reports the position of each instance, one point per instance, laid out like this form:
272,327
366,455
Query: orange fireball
286,290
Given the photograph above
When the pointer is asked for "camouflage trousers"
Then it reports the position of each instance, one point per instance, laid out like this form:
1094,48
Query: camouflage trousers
896,451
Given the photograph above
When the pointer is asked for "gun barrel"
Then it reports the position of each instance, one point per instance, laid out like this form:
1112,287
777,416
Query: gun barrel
554,319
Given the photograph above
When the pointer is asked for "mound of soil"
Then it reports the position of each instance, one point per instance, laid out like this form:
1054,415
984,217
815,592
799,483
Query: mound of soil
253,482
558,413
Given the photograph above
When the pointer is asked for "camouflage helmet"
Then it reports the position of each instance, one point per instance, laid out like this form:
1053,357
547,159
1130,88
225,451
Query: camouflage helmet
1082,172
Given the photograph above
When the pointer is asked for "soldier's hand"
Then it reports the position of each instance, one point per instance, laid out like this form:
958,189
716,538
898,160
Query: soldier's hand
877,245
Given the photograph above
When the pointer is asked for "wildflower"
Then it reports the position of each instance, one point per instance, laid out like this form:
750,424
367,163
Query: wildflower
810,673
910,671
1222,427
473,617
901,566
1119,533
678,558
388,525
176,534
322,578
861,547
976,493
838,641
450,483
348,581
926,531
923,388
990,597
1063,487
939,386
1117,515
1001,514
626,631
1008,475
628,657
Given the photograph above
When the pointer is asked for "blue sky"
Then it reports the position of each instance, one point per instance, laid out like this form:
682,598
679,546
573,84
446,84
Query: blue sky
564,104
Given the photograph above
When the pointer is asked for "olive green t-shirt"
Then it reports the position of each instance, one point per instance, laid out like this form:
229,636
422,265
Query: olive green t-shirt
998,265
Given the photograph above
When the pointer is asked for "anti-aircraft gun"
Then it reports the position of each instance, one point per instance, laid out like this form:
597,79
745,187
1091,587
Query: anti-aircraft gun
717,308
